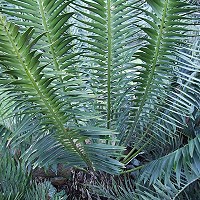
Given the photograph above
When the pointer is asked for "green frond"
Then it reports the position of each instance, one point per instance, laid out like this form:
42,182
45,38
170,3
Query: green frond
107,38
51,18
40,91
168,191
43,191
13,178
122,188
176,170
16,183
78,78
156,100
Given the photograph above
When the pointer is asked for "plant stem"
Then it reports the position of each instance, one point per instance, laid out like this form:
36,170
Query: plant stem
109,29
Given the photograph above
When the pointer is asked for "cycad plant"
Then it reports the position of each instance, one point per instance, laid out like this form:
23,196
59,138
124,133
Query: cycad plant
93,77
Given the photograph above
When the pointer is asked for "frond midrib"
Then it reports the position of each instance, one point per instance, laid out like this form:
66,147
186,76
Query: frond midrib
109,63
46,29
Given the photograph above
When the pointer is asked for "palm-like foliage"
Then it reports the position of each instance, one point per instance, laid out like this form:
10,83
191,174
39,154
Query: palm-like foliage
107,55
88,69
50,97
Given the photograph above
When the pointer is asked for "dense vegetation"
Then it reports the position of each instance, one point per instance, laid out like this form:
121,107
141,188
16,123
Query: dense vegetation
106,89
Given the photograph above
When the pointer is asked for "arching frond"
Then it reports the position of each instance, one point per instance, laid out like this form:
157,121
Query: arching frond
56,46
161,86
32,86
